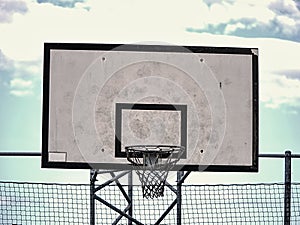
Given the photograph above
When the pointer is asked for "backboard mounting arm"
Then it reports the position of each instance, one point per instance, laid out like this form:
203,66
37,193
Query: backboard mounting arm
127,212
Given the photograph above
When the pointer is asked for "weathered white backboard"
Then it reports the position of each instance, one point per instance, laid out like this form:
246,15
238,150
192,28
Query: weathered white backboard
99,98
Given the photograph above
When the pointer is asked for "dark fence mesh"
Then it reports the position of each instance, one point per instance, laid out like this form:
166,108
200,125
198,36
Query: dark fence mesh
34,203
236,204
295,204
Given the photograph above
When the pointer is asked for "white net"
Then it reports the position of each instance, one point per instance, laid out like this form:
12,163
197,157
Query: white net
153,164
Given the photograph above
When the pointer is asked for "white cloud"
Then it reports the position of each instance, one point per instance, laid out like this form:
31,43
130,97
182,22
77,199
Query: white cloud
278,91
33,69
287,21
20,87
25,69
132,21
9,7
21,93
288,25
18,77
286,6
20,83
237,10
107,21
230,28
269,18
129,21
277,60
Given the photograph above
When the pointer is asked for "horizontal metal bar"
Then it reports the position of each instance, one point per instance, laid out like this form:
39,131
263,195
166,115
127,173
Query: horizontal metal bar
263,155
20,154
107,171
270,155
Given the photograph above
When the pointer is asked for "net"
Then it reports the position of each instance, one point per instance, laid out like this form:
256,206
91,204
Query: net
222,204
153,164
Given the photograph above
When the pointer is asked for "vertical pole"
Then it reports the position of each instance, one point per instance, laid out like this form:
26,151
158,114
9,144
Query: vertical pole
92,199
287,188
130,195
179,185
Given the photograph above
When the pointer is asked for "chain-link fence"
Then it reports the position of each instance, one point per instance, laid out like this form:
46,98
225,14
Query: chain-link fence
38,203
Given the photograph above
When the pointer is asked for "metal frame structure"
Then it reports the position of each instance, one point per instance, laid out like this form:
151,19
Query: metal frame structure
127,212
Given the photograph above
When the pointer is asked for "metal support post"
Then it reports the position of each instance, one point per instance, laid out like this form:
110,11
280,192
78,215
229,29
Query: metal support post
93,175
130,195
179,185
287,188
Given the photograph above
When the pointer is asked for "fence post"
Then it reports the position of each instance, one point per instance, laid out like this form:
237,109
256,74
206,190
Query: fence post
92,199
130,195
287,188
179,185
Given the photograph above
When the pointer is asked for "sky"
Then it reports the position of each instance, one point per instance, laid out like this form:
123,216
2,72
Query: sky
273,26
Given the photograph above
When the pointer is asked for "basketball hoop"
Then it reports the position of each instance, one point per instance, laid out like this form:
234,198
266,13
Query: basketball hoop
153,163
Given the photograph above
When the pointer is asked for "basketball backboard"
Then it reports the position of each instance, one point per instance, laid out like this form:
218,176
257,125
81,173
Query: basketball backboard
99,98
